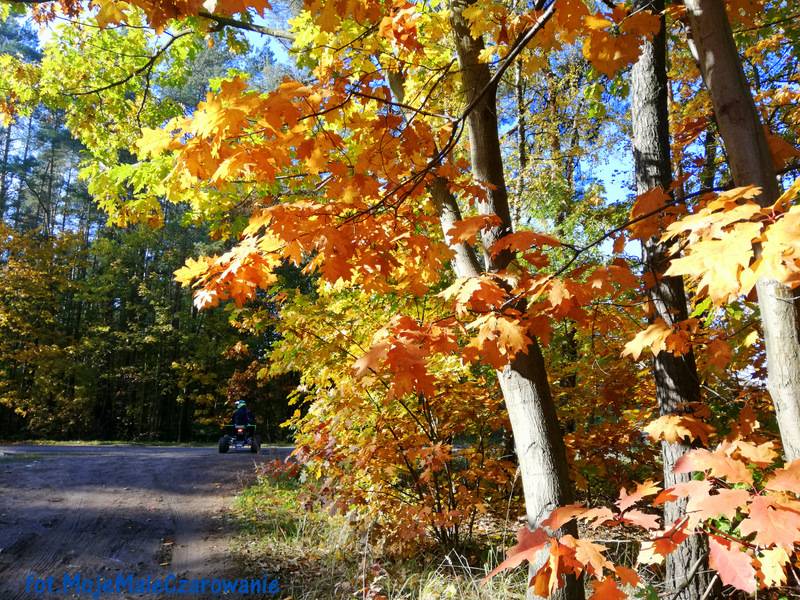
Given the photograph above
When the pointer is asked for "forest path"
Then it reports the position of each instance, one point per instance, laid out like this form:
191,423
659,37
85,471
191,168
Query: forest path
109,510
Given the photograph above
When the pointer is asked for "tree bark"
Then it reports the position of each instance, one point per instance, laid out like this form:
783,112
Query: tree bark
676,380
4,172
522,145
751,163
465,261
526,390
25,154
708,174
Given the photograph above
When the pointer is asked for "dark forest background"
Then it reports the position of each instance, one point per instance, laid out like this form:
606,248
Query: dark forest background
96,338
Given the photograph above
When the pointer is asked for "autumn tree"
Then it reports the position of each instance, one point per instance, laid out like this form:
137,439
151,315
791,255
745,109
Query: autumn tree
752,164
526,390
676,376
377,166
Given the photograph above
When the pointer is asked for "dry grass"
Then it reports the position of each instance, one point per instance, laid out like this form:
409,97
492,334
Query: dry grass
319,556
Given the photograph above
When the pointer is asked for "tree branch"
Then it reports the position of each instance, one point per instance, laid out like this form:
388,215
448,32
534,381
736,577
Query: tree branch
145,67
230,22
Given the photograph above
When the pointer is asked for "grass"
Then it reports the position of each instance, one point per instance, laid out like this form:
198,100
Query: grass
318,556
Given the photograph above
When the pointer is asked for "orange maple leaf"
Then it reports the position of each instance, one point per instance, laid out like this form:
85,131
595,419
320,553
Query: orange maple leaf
465,230
676,428
519,241
563,515
498,340
476,293
400,25
643,490
626,575
786,479
718,353
548,577
761,455
589,554
774,522
735,568
719,464
607,589
610,48
371,359
725,503
654,338
529,544
640,519
648,203
782,151
702,505
683,489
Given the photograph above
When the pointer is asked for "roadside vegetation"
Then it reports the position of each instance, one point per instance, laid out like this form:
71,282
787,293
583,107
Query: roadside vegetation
318,554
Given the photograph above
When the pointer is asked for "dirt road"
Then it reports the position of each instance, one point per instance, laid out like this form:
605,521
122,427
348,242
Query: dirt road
102,511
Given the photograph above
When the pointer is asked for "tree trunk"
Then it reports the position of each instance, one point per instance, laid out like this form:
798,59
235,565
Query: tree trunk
751,164
708,174
522,146
465,261
25,154
676,377
526,390
4,172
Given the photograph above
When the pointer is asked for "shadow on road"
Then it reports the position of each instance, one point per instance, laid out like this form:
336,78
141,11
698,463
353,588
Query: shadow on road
104,510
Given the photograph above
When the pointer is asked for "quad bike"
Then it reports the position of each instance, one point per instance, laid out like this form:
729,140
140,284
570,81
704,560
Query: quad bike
239,438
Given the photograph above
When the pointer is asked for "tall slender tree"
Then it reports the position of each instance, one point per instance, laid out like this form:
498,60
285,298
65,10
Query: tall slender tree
526,390
676,379
742,133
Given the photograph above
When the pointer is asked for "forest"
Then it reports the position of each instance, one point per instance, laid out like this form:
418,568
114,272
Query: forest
476,259
98,340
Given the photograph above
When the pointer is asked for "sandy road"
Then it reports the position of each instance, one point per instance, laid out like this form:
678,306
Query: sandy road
109,510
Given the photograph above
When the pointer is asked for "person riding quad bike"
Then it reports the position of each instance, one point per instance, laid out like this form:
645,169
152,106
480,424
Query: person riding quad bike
244,431
243,415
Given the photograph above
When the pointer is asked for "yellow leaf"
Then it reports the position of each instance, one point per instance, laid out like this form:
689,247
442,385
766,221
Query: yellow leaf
750,339
718,265
112,12
153,142
596,22
192,270
654,338
773,562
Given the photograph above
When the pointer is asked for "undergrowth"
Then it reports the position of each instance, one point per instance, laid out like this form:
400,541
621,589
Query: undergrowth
316,555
